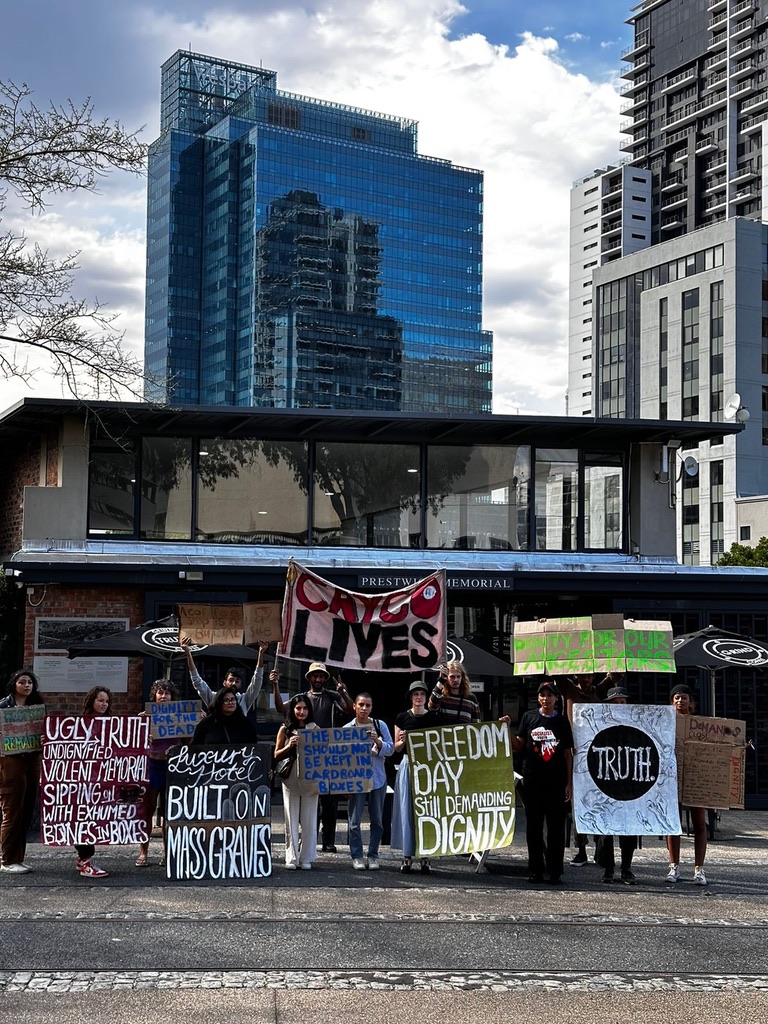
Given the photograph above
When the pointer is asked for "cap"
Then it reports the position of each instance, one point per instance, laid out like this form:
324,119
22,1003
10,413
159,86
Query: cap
616,693
317,666
418,685
681,688
547,686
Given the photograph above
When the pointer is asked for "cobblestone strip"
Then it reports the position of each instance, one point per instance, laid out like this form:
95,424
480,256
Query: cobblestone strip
335,917
50,982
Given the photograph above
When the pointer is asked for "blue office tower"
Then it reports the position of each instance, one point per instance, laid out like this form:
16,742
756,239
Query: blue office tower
301,254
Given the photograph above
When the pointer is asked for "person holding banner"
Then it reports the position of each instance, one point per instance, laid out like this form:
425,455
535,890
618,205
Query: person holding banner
381,748
97,703
452,698
604,851
162,691
403,832
19,780
299,797
325,704
682,699
225,723
546,740
232,679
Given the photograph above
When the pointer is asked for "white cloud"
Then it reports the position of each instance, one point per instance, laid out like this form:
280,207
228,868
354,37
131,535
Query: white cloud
519,114
576,37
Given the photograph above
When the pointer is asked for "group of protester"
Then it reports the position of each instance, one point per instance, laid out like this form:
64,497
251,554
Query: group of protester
543,738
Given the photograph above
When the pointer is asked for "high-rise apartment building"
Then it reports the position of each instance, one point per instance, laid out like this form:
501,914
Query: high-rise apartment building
669,265
301,253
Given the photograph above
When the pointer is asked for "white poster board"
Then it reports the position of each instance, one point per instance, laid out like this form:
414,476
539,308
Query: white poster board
625,770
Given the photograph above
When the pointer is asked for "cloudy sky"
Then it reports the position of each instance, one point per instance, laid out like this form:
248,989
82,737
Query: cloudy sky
527,91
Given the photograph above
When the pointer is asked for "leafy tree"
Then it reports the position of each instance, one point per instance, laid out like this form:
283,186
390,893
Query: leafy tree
742,554
59,149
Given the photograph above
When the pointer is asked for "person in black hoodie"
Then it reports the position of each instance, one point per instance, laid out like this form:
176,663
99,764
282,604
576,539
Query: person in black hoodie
225,723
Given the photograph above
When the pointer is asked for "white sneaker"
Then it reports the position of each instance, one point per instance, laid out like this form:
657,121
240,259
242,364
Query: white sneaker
673,875
305,867
15,869
373,863
699,878
291,866
358,864
27,866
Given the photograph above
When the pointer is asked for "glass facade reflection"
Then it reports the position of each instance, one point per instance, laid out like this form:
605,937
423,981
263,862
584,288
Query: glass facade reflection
302,254
255,491
477,497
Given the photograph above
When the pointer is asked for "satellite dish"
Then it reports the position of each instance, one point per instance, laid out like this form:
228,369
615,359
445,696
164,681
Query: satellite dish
690,466
732,406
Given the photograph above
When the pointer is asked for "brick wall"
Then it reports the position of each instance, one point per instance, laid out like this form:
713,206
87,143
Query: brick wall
19,467
79,602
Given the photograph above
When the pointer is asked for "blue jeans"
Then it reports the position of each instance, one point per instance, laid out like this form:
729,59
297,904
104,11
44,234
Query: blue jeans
355,816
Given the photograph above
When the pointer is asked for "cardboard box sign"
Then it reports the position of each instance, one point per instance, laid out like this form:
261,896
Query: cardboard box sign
21,729
262,621
600,643
211,623
710,761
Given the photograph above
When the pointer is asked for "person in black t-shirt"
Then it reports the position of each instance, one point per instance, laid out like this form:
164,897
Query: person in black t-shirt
546,741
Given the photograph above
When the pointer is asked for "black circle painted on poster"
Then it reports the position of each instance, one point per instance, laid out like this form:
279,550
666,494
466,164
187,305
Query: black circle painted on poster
623,762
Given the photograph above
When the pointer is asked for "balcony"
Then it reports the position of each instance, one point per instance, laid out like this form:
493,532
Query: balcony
714,164
706,145
634,103
673,201
642,42
717,42
675,221
716,185
692,110
744,173
756,103
743,28
672,184
715,5
744,195
745,5
718,21
744,88
677,80
744,67
744,47
610,230
753,124
610,208
714,80
716,203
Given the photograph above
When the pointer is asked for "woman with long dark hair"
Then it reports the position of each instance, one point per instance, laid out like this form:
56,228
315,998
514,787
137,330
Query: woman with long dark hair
97,702
299,798
161,691
682,700
19,779
225,723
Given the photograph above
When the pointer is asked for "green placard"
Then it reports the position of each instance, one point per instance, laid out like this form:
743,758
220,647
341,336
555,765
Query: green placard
648,648
463,789
21,729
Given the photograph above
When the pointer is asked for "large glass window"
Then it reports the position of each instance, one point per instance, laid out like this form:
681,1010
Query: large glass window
557,498
603,502
252,492
477,497
111,493
367,495
691,518
166,488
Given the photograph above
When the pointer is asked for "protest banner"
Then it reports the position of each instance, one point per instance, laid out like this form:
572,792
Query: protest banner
94,775
463,789
397,631
599,643
625,770
262,621
336,760
173,719
218,814
21,729
711,761
211,623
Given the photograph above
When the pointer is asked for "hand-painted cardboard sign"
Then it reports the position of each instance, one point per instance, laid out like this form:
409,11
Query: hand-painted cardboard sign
262,621
336,760
173,719
625,770
94,776
211,623
463,788
21,729
710,761
398,631
218,813
597,643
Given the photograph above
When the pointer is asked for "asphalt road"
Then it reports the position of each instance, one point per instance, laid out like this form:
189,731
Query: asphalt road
457,944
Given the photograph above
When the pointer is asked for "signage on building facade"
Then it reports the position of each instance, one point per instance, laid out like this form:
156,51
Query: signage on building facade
454,580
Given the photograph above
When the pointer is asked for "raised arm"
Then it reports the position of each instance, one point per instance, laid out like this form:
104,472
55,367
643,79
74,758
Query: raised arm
251,695
204,691
274,678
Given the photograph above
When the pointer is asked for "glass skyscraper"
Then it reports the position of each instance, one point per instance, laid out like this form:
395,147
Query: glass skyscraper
301,253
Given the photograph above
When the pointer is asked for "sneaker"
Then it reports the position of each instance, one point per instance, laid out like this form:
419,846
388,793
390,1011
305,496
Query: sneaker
607,876
536,879
90,870
426,868
580,858
291,867
373,864
79,864
305,867
699,878
673,875
627,876
329,848
15,869
405,867
358,864
27,866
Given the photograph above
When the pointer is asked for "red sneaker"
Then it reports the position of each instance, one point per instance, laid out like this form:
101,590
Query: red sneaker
90,870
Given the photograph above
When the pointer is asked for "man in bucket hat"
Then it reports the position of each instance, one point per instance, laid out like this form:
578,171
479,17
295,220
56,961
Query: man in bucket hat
325,702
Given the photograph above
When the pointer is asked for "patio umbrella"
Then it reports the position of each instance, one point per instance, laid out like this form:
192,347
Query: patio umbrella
157,639
475,660
712,648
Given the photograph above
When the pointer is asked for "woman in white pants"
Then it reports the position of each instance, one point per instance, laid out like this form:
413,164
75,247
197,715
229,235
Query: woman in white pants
299,797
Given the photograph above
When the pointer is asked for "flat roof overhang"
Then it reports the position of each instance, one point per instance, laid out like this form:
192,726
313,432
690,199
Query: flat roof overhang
123,421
